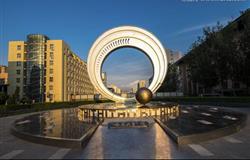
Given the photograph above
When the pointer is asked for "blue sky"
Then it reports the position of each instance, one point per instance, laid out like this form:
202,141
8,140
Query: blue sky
126,66
177,23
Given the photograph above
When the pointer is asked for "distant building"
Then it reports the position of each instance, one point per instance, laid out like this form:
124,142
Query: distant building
3,79
118,90
47,70
141,84
104,78
113,88
173,56
125,95
134,89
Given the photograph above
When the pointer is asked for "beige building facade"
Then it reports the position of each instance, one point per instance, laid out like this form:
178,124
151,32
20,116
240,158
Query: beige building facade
115,89
141,84
47,70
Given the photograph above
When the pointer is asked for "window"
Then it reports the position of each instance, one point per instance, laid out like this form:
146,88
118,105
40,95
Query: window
18,47
51,54
50,87
18,80
225,84
18,71
18,55
51,47
51,97
24,72
236,85
18,63
50,62
51,79
51,71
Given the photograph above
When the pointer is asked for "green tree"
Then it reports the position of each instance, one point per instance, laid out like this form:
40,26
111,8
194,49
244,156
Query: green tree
202,63
14,99
25,100
220,55
170,83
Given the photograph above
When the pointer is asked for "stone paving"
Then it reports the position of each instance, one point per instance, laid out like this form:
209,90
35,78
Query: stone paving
151,142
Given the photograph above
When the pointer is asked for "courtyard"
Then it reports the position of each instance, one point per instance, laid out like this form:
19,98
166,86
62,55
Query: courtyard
128,143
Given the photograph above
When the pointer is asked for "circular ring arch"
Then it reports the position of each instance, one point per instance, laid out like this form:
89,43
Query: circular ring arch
126,36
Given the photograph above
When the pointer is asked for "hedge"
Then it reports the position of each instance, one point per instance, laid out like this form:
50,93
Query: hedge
7,110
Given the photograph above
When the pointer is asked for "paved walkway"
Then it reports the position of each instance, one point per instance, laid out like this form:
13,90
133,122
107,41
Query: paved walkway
127,143
130,143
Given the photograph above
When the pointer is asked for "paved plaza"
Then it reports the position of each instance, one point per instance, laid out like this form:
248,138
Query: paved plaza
151,142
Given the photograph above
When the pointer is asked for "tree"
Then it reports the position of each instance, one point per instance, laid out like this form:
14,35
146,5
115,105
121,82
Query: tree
219,55
3,98
244,51
170,83
15,97
25,100
171,79
16,94
202,65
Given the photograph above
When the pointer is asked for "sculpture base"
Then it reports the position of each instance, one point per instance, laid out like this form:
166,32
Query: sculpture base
74,127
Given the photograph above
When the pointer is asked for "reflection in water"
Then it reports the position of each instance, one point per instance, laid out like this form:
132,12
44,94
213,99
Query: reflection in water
201,119
59,123
151,142
74,123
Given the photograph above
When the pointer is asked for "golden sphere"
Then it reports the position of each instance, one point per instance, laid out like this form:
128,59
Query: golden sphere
143,95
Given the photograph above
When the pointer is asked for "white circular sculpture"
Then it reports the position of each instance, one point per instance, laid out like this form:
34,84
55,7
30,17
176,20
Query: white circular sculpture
126,36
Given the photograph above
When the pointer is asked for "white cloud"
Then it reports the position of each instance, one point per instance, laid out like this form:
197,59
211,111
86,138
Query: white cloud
198,27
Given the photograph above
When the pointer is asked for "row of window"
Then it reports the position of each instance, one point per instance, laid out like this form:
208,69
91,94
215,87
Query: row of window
51,47
50,71
45,56
51,54
18,72
18,63
51,79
